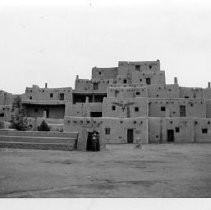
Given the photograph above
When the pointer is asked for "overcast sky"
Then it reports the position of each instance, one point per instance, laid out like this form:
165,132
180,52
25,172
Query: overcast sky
52,41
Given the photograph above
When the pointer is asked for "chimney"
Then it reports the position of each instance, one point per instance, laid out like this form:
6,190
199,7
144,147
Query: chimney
175,81
77,77
209,85
46,85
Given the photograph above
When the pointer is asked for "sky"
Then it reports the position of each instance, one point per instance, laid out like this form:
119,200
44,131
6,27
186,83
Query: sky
53,41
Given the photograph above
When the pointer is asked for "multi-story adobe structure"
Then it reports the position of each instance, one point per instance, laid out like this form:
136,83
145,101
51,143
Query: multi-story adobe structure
139,107
130,103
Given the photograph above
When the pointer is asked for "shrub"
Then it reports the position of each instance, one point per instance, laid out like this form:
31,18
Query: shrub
18,119
43,126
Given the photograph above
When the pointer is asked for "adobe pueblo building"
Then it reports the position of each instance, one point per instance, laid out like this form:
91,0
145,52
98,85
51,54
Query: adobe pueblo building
130,103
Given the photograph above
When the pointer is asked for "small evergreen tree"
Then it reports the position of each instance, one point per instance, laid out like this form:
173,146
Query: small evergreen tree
43,126
18,119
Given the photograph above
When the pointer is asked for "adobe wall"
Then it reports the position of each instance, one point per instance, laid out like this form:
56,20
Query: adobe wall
143,66
207,93
118,130
84,125
183,130
163,91
94,85
82,109
194,107
36,93
55,112
202,130
208,108
186,130
133,107
186,92
155,77
104,73
127,92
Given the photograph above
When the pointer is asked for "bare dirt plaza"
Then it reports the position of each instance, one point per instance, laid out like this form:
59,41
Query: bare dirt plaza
165,170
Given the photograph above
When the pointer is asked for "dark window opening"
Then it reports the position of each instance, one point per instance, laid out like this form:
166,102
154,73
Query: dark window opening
138,93
204,130
51,95
61,96
30,97
177,129
1,114
99,72
136,109
124,81
96,114
107,131
186,96
137,67
95,86
113,108
150,66
130,136
140,80
163,108
148,81
170,135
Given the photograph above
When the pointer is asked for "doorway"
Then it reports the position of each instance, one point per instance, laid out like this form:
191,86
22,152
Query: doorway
93,143
130,136
170,135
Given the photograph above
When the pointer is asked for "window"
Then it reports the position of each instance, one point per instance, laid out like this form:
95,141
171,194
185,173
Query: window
107,131
113,108
99,72
148,81
204,130
140,80
150,66
136,109
30,97
95,86
51,95
1,114
36,110
163,108
124,81
137,67
138,93
61,96
177,129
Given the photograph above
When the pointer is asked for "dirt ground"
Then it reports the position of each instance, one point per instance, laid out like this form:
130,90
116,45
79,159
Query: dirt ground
167,170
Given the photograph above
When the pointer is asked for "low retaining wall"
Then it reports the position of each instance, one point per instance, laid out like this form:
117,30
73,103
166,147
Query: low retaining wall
38,140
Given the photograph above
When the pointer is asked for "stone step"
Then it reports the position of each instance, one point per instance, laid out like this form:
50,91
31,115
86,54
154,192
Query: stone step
36,139
40,146
39,133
